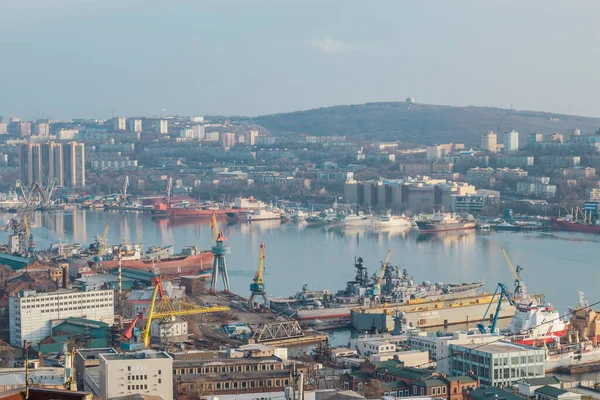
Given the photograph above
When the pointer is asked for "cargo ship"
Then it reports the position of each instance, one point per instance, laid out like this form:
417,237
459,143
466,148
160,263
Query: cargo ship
191,260
574,226
442,222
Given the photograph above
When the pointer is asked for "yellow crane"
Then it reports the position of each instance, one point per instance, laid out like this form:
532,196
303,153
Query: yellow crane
167,308
376,291
515,272
215,227
257,288
103,240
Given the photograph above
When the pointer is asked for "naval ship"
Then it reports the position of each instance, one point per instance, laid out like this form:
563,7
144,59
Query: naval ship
442,222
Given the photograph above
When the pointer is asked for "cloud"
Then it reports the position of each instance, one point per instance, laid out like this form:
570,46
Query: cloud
331,46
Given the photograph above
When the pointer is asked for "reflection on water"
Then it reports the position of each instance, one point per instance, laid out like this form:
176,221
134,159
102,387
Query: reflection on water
323,258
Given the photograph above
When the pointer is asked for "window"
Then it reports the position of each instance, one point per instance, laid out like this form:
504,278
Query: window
159,380
129,368
159,372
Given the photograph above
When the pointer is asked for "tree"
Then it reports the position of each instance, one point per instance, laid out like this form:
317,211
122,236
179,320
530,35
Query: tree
373,389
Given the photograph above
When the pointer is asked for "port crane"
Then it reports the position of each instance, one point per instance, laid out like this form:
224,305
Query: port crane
502,292
376,290
125,187
519,287
164,308
258,286
169,188
219,264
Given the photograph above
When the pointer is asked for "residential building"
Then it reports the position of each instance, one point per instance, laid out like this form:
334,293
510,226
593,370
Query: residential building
74,164
31,312
250,138
489,142
499,363
119,124
556,137
534,139
505,161
52,163
573,133
134,125
30,163
162,126
41,128
146,372
511,141
227,140
412,169
198,132
553,393
67,134
23,128
3,128
482,202
211,136
438,151
231,372
528,386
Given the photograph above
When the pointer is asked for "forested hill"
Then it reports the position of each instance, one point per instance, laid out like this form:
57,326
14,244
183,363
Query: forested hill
421,123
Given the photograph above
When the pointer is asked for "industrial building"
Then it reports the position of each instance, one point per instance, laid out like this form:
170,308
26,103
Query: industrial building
498,363
31,312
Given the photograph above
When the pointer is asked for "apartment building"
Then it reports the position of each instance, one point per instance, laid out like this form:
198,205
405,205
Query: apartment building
31,313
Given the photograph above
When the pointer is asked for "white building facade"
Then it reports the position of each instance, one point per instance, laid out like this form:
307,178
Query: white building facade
31,313
145,372
511,141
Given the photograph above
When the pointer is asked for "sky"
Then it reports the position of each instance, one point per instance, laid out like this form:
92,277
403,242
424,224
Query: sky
98,58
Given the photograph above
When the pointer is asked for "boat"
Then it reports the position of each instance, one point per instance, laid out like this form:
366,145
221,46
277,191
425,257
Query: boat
157,259
390,221
355,220
256,215
505,226
196,212
441,222
575,226
10,201
483,227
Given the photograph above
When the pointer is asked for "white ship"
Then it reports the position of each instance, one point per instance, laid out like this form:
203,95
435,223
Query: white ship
10,200
391,221
263,214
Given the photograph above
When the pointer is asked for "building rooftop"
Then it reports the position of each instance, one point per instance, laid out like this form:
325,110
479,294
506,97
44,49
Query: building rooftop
140,355
550,391
498,347
493,393
546,380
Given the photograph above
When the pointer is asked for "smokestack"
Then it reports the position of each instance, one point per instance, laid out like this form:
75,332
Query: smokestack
65,277
301,386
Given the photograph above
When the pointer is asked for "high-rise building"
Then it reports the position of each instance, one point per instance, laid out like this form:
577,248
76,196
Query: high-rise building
533,139
41,128
31,312
489,142
42,162
574,132
511,141
199,132
162,126
227,139
119,123
3,128
250,138
30,163
23,128
134,125
74,164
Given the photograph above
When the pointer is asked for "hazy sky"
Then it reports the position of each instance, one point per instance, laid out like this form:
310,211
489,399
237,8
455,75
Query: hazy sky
88,58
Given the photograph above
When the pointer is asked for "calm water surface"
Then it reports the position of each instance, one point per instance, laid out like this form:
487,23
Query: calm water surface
558,264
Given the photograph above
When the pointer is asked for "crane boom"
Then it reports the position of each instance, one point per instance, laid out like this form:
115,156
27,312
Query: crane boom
259,276
103,240
215,227
158,289
510,265
503,292
519,288
383,268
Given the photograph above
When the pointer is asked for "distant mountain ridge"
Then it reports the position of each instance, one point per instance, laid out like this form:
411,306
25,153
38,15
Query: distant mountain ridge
422,123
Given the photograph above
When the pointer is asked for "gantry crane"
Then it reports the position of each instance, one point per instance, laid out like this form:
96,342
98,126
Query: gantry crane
219,265
502,291
376,290
167,308
258,286
519,287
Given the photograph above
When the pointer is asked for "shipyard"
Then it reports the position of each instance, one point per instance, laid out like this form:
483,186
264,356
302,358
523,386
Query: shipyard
332,200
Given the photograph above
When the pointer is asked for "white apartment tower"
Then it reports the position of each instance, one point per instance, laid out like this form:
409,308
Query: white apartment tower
162,126
146,372
511,141
134,125
489,142
120,123
31,313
